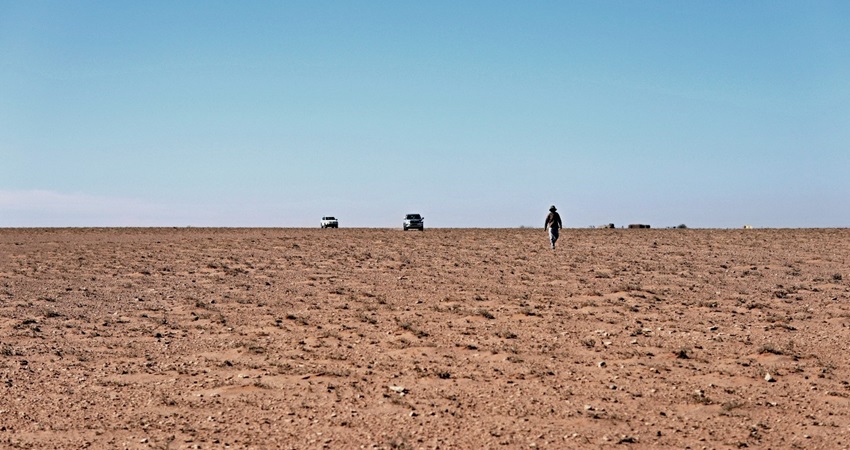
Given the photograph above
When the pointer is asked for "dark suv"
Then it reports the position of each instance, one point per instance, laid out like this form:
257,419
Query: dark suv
414,221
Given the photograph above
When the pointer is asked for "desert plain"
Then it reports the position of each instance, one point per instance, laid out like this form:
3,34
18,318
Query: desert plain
172,338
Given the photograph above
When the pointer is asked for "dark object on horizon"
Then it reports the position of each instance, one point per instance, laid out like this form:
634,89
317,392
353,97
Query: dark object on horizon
413,222
638,225
329,222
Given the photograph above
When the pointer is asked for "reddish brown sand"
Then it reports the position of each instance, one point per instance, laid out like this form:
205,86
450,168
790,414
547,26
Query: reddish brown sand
468,338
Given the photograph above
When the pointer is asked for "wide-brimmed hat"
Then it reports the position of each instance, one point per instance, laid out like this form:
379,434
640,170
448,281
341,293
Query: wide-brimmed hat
552,208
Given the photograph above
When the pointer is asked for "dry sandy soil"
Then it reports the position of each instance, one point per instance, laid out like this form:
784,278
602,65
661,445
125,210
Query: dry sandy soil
466,338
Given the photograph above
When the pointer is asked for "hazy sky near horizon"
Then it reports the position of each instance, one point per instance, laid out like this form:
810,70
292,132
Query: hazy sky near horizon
473,113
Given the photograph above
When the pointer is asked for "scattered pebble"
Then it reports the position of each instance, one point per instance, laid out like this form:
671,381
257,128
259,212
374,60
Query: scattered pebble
769,378
400,390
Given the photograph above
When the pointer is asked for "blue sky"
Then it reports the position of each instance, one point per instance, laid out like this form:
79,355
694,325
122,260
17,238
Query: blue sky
475,114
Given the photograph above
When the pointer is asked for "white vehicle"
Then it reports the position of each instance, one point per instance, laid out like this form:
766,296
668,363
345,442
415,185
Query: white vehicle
329,222
413,221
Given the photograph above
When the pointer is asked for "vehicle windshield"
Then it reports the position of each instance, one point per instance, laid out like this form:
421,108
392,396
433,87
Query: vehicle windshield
412,216
328,218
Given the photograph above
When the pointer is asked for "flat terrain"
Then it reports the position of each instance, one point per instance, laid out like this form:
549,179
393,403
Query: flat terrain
448,338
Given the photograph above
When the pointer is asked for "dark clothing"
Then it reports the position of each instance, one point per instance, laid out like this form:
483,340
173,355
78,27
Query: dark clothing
553,220
553,224
553,236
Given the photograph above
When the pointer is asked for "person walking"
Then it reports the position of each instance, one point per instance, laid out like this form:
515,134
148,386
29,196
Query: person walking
553,224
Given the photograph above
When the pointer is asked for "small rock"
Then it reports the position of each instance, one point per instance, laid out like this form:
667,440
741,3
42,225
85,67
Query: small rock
400,390
769,378
627,440
601,364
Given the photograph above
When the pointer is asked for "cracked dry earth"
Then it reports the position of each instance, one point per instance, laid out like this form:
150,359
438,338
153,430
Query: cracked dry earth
448,338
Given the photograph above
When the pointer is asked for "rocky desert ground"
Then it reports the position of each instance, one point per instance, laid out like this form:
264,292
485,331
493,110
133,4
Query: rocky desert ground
448,338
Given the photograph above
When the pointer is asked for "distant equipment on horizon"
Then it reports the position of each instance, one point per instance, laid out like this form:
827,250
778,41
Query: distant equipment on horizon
638,225
413,222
